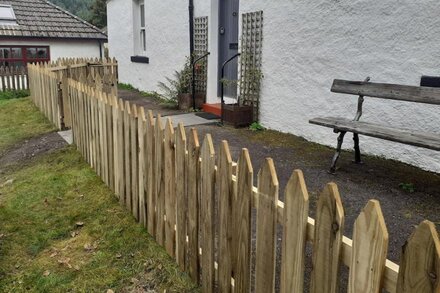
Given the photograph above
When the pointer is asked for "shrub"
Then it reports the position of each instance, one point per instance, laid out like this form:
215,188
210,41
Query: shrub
7,95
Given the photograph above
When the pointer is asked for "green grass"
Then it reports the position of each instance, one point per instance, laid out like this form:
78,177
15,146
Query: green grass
39,213
19,120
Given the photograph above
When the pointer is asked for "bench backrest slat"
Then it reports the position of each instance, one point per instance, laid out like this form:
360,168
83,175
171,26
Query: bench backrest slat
415,94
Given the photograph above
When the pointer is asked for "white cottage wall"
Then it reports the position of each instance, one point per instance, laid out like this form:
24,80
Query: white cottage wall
307,44
63,48
167,35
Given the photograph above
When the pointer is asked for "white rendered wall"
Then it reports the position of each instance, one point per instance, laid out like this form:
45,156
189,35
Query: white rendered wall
307,44
167,35
63,48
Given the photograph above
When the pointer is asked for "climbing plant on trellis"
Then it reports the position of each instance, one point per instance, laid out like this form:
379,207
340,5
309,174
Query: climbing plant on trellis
250,60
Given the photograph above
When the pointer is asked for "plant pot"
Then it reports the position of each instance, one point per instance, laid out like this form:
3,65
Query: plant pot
238,116
186,101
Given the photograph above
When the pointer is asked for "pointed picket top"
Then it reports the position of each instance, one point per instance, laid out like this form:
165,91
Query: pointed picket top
370,245
169,129
296,212
207,150
266,227
181,134
134,110
121,104
127,107
193,142
158,124
141,113
420,263
327,242
149,118
267,179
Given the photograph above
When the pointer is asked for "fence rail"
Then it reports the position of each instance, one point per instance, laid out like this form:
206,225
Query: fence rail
13,78
198,204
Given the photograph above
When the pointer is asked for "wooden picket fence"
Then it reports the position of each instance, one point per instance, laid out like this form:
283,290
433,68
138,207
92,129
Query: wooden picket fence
198,205
49,84
13,78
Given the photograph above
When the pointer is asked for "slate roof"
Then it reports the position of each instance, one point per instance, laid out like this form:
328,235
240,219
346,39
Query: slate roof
42,19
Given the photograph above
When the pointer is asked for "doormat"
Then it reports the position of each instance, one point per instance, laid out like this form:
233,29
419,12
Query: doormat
207,116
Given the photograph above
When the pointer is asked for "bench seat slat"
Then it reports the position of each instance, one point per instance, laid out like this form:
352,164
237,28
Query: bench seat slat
417,94
425,140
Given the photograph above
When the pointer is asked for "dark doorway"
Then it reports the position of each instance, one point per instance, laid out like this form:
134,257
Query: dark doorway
228,44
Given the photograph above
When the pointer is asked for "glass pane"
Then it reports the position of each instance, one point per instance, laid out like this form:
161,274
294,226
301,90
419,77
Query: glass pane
142,8
5,53
31,53
42,53
16,63
6,12
16,53
143,40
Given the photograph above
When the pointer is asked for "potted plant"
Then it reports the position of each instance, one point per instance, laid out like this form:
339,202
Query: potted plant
178,88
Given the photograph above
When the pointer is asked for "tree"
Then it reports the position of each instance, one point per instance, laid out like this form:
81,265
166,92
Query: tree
99,13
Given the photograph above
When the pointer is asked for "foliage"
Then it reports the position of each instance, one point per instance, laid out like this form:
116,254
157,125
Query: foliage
409,187
7,95
180,84
80,8
20,120
99,13
93,11
63,230
125,86
256,127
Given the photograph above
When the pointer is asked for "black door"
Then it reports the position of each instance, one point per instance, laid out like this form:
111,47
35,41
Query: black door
228,44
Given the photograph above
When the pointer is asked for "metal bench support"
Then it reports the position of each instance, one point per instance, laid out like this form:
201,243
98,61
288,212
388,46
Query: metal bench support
338,151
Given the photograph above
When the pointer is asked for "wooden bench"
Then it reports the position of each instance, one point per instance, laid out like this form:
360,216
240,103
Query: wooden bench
427,95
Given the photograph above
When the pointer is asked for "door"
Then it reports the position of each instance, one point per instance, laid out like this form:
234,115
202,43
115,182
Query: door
228,45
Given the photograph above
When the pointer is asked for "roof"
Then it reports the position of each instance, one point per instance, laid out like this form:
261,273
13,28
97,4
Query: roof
42,19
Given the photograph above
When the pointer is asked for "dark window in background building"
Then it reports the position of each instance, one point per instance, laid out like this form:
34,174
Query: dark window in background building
22,55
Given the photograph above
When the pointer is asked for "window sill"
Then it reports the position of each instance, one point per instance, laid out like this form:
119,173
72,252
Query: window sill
140,59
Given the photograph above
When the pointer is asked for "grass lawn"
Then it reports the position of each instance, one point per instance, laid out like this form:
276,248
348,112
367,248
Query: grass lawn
62,229
20,119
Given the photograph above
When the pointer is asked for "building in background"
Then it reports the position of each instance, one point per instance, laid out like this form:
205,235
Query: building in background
293,50
38,31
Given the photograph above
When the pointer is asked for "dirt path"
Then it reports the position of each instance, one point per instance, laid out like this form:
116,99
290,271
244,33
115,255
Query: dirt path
25,151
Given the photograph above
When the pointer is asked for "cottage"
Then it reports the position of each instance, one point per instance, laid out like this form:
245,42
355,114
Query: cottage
291,52
37,30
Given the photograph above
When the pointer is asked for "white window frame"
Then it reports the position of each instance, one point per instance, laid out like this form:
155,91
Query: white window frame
142,45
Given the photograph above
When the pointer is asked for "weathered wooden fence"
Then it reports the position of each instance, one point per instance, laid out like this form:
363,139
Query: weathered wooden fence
13,78
198,204
49,84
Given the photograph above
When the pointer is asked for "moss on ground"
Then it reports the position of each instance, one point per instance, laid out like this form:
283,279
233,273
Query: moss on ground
62,230
19,120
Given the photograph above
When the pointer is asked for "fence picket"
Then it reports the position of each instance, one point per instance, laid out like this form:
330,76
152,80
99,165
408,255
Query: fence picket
193,175
226,225
170,188
420,266
127,155
134,162
159,180
142,166
181,195
266,228
151,199
296,213
370,245
327,241
241,223
207,200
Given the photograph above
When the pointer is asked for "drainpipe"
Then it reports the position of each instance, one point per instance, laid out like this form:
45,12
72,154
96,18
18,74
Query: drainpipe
191,29
100,49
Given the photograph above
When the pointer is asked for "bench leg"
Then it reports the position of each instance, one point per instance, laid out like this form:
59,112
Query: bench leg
338,152
357,151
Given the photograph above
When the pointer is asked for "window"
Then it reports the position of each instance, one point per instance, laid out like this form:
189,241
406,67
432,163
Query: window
143,41
7,15
21,56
